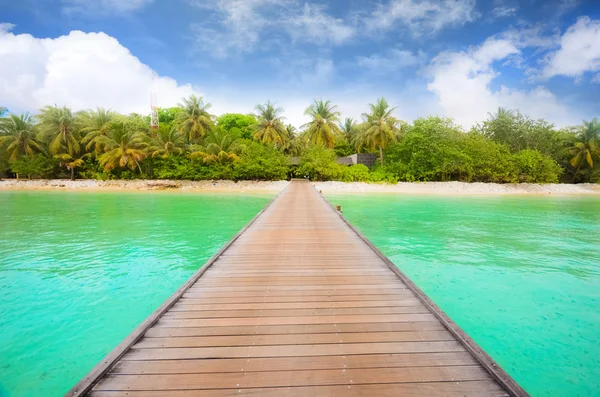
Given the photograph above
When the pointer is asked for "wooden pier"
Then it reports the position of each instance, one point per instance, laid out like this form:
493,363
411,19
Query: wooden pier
299,303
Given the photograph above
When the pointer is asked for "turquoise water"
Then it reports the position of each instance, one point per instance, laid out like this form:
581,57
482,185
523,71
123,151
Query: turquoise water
521,275
80,270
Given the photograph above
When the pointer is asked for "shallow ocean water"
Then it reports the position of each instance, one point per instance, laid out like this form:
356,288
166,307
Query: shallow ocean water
80,270
521,275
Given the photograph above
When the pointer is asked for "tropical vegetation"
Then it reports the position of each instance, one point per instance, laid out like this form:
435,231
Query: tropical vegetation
191,143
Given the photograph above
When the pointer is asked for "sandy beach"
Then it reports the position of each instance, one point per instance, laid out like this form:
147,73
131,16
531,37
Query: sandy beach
133,185
436,188
459,188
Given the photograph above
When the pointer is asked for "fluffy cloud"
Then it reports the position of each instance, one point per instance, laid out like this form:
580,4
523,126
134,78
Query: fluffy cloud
80,70
94,7
422,16
579,51
237,26
504,11
462,82
314,25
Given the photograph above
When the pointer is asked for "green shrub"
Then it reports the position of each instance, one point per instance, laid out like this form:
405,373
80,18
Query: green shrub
320,164
260,162
535,167
38,166
355,173
382,175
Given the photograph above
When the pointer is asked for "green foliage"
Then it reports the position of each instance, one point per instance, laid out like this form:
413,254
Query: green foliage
355,173
193,120
168,115
39,166
534,167
260,162
269,128
507,148
236,124
319,164
379,128
323,127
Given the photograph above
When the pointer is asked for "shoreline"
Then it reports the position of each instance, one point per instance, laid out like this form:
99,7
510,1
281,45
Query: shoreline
331,187
460,188
144,185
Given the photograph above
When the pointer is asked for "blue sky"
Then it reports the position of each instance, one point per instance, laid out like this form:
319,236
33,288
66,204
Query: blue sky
455,58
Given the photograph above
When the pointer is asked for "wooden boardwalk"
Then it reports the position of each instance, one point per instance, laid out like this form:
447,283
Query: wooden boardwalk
298,304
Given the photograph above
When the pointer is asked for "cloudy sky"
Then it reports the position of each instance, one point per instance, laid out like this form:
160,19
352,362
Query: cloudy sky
456,58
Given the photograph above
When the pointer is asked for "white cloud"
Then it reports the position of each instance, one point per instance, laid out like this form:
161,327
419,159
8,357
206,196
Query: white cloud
422,16
462,82
391,61
234,27
80,70
596,79
314,25
6,27
94,7
504,11
237,26
579,51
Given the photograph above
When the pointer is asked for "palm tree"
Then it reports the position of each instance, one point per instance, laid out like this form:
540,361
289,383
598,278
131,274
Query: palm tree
501,113
122,147
348,128
321,130
219,147
71,161
269,128
379,127
587,145
94,124
194,120
167,143
58,127
18,136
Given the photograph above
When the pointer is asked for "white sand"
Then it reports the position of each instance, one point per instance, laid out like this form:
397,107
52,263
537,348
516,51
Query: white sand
216,186
439,188
458,188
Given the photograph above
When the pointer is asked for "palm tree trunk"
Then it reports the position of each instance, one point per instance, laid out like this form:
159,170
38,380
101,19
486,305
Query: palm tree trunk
72,173
577,170
381,154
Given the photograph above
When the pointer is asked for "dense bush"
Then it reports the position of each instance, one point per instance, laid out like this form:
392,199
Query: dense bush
260,162
38,166
534,167
320,164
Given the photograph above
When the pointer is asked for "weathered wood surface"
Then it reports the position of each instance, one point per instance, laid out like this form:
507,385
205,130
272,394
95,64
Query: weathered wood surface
299,304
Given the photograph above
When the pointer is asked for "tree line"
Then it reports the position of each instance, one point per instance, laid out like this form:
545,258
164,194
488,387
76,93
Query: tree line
191,143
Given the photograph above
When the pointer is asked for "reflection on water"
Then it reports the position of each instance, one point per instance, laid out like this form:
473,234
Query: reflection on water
79,270
521,275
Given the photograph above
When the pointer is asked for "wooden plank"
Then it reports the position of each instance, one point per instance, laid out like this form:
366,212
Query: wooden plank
437,389
293,313
229,380
159,331
304,320
133,367
303,294
197,304
293,339
293,350
294,298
